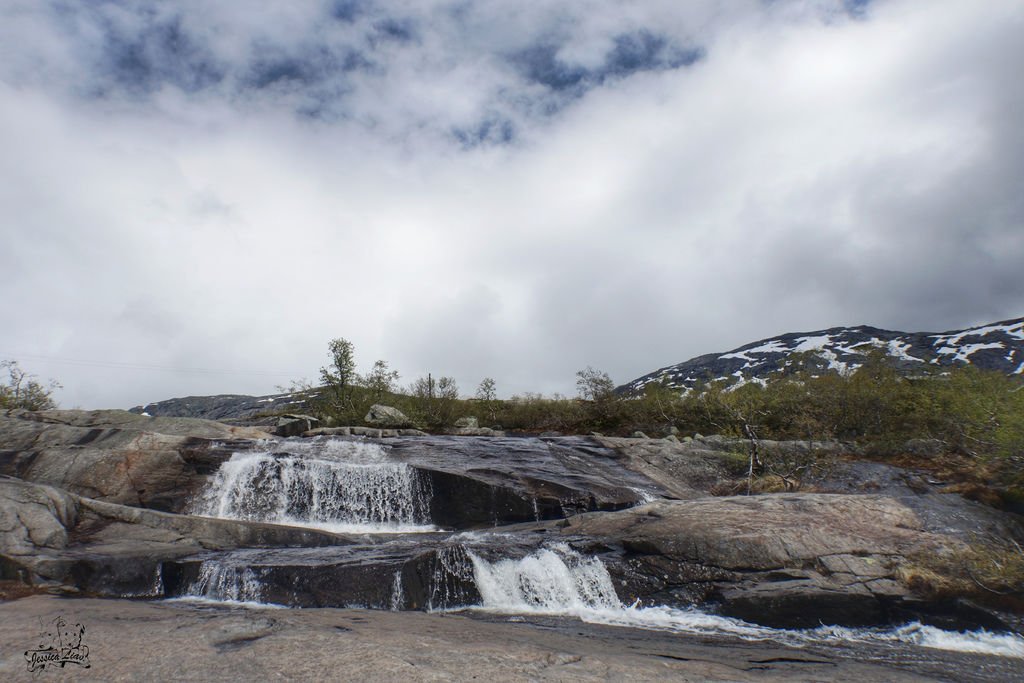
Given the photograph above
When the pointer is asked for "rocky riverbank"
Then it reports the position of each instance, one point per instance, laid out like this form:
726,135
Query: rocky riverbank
132,640
110,504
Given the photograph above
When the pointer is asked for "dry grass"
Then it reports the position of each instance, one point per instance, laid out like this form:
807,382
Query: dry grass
994,567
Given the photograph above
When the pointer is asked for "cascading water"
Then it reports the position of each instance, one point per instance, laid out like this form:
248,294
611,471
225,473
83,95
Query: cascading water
335,485
560,582
556,581
350,486
226,583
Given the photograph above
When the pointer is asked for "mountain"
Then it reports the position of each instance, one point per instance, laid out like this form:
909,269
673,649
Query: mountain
224,406
997,346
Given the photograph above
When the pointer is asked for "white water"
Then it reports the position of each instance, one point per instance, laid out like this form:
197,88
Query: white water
334,485
546,582
226,583
397,594
559,582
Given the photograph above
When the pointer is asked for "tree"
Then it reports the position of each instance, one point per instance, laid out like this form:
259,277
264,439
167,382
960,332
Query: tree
487,394
381,380
24,391
340,376
487,390
594,385
603,405
435,400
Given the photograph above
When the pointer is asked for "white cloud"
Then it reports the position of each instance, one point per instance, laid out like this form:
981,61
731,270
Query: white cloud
811,169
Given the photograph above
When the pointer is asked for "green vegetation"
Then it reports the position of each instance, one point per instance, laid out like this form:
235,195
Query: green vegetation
984,568
964,424
22,390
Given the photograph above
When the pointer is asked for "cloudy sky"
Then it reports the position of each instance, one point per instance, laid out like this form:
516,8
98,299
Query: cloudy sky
195,197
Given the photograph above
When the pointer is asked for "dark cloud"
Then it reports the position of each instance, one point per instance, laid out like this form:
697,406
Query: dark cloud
630,53
347,10
491,130
400,30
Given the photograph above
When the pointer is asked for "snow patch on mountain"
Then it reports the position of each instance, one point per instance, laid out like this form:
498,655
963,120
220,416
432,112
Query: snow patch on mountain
995,346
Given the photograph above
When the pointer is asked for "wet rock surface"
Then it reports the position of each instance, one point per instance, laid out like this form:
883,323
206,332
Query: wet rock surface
92,505
116,456
481,481
792,560
55,538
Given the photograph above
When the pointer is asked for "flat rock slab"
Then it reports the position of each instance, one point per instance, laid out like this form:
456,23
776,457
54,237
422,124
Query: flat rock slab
131,640
122,419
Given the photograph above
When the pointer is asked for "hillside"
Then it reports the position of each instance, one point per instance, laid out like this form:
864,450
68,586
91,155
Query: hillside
223,406
997,346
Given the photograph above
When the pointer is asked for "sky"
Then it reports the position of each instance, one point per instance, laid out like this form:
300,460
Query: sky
196,197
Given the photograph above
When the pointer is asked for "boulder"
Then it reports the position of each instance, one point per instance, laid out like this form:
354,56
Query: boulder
116,461
328,431
54,538
786,560
295,425
387,417
467,423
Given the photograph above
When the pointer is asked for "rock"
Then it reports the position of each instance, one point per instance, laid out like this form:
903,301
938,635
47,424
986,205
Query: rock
785,560
328,431
728,444
411,432
638,435
485,481
673,438
686,470
550,435
471,431
224,643
82,453
33,523
673,431
386,416
369,432
295,425
48,536
467,423
126,421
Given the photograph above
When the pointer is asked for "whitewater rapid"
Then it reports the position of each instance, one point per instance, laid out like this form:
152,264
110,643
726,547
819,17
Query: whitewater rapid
557,581
353,487
333,485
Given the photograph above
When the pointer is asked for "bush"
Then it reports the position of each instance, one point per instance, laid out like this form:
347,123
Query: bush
22,390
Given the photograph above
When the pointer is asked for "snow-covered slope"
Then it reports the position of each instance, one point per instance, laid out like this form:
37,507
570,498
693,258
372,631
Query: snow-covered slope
998,346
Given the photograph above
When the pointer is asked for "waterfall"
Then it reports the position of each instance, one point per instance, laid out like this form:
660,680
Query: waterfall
226,582
452,578
341,486
558,581
397,594
555,581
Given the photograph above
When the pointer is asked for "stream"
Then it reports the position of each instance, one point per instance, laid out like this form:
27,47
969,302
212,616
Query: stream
400,554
